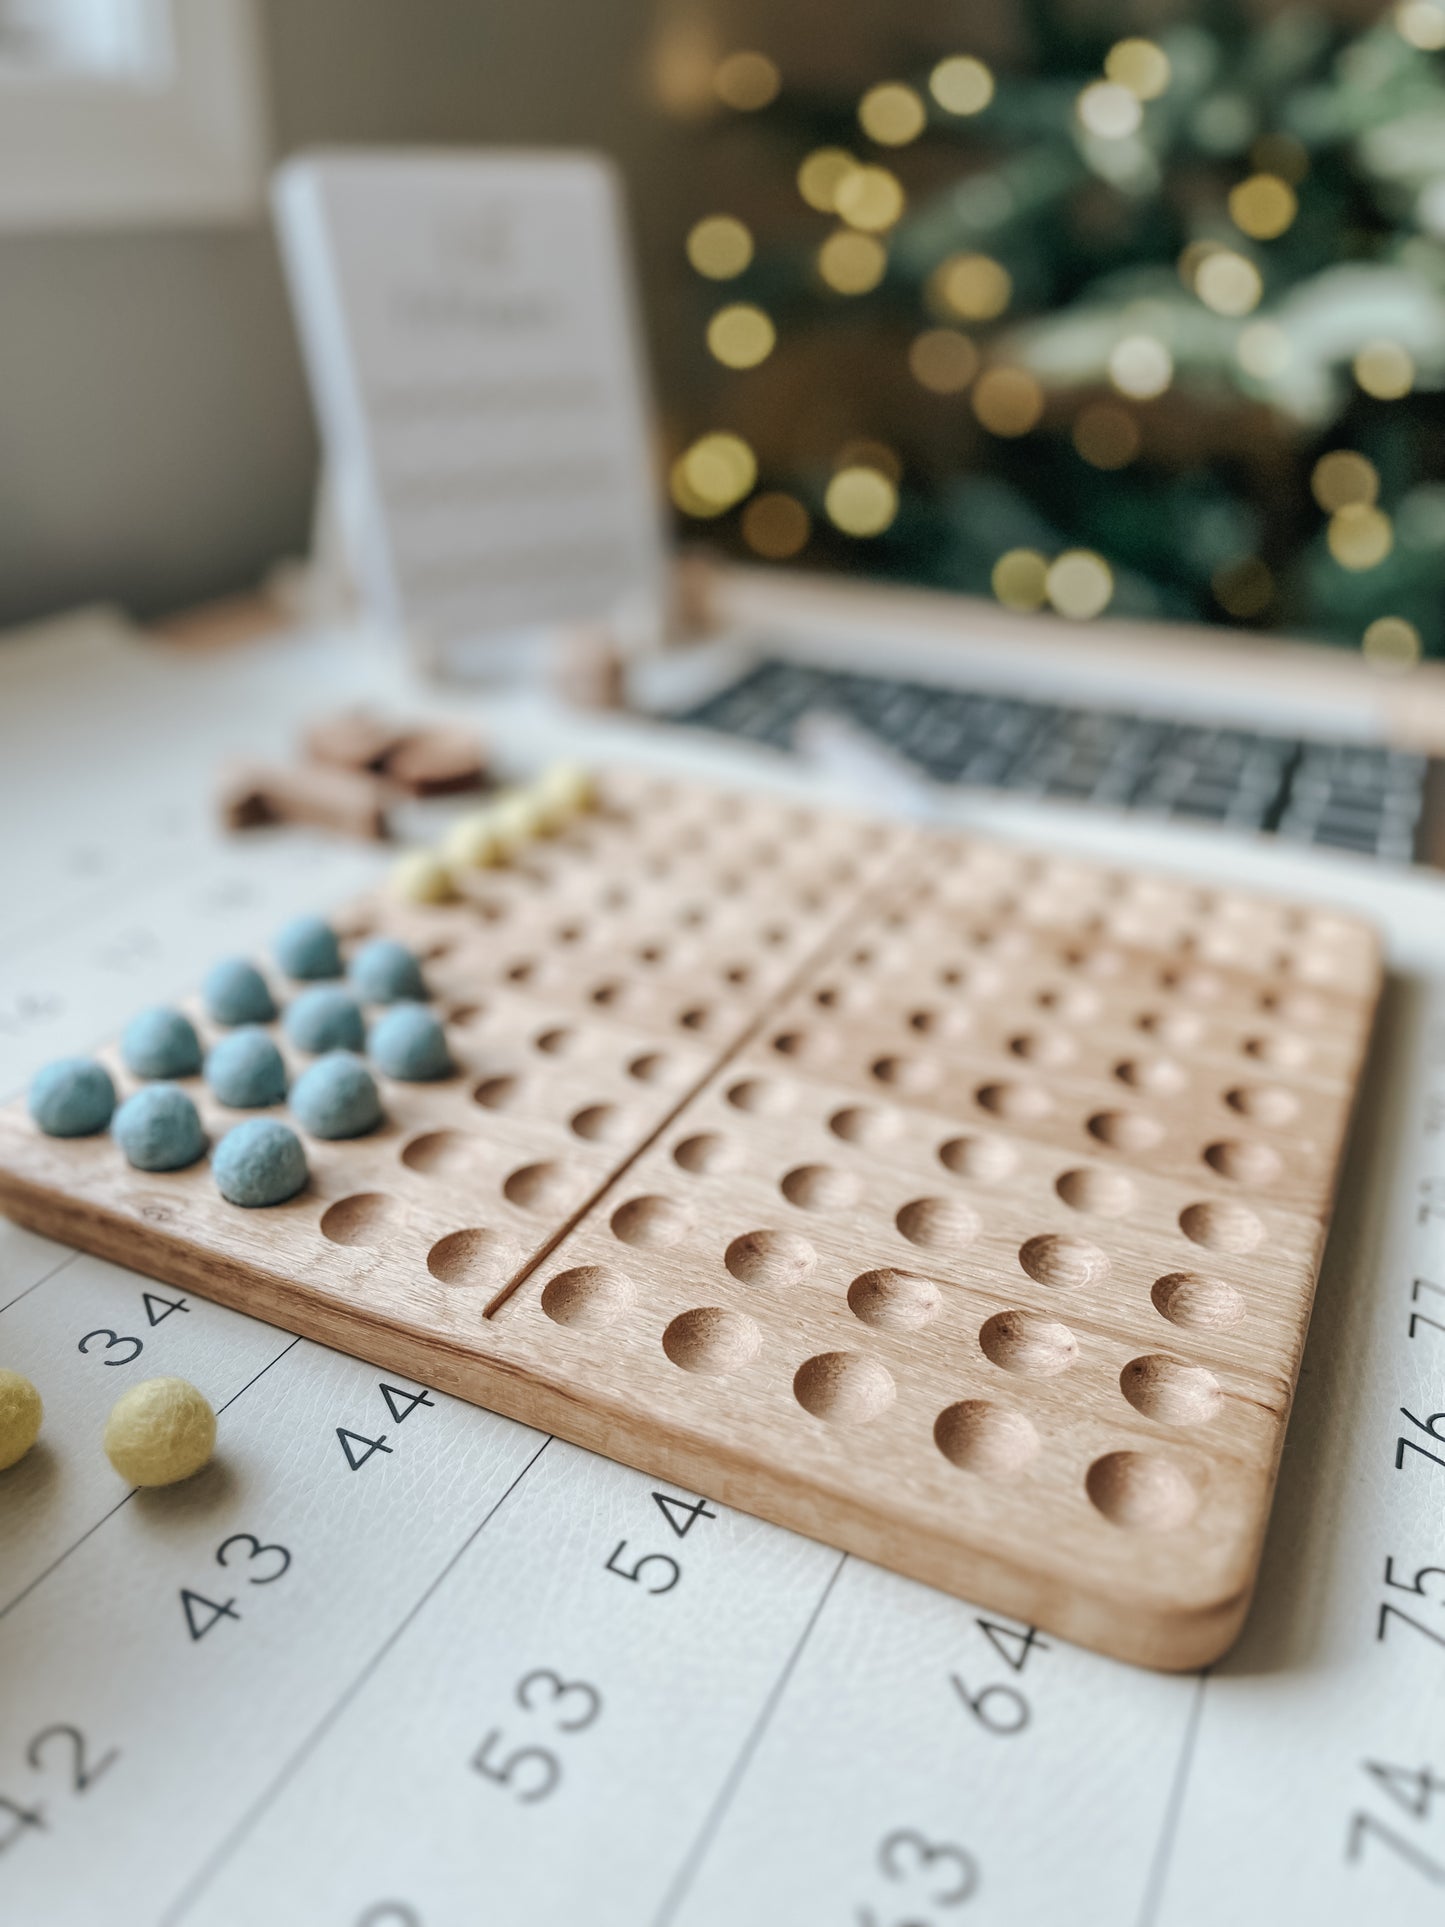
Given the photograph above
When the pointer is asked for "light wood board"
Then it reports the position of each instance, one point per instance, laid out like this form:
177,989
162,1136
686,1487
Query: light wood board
954,1204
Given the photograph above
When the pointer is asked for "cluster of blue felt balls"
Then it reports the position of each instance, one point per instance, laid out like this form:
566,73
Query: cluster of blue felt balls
261,1161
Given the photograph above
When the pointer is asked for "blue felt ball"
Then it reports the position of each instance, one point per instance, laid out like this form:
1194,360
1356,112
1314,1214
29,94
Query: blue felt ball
73,1097
306,948
408,1042
336,1097
325,1019
259,1162
161,1043
159,1129
245,1070
237,993
386,972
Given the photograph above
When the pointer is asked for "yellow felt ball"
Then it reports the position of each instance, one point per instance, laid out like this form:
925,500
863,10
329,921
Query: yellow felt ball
20,1415
474,841
159,1432
519,817
421,877
563,791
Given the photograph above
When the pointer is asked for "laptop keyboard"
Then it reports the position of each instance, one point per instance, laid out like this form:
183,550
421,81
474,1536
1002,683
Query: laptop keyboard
1349,796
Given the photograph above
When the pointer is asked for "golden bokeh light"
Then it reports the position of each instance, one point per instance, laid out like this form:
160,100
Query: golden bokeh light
747,81
719,246
1020,579
861,501
1342,479
852,263
1141,367
740,335
1281,154
1140,66
1080,584
972,286
870,198
1422,23
776,526
943,360
863,453
1227,282
1007,401
1263,350
1106,436
1385,370
1360,537
961,85
1244,588
892,114
822,174
1109,111
718,470
1263,206
1392,643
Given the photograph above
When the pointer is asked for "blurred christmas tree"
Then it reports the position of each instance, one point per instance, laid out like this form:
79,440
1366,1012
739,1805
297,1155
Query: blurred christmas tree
1152,325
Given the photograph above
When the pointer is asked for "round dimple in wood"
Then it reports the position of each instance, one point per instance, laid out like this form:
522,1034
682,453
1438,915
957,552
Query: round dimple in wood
762,1096
1050,1048
1063,1262
652,1067
865,1124
1128,1131
556,1041
1195,1302
1070,1003
1020,1103
1221,1226
893,1300
1141,1491
1267,1104
1161,1076
709,1154
588,1297
984,1160
911,1074
1179,1029
712,1341
940,1024
1294,1006
979,1436
820,1187
938,1224
1171,1391
1025,1343
367,1218
601,1123
1102,1194
1243,1161
774,1258
444,1154
497,1093
474,1256
1283,1051
843,1388
545,1186
651,1222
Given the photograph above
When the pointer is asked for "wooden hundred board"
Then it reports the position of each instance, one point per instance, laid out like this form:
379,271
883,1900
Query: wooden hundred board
952,1203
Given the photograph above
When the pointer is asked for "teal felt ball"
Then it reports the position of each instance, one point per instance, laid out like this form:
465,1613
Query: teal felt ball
73,1097
159,1129
259,1162
386,972
325,1018
336,1097
306,948
245,1070
235,992
161,1042
408,1042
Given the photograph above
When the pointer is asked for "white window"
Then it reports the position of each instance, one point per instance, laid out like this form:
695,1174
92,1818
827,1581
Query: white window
129,111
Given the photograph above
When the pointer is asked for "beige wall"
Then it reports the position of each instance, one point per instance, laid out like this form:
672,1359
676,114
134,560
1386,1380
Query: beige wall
155,437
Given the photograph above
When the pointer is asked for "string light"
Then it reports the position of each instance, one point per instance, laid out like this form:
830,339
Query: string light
973,286
943,360
740,335
892,114
1227,282
1385,370
1105,436
1140,66
1141,366
719,246
1263,350
1080,584
1342,479
1244,588
1109,111
822,174
747,82
852,263
1263,206
718,470
1007,401
1422,24
861,501
776,526
961,85
1360,537
1020,579
870,198
1392,643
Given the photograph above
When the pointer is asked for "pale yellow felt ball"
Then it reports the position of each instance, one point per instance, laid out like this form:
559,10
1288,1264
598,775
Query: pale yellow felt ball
519,817
20,1415
474,841
564,791
160,1432
421,877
